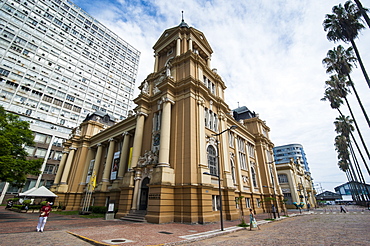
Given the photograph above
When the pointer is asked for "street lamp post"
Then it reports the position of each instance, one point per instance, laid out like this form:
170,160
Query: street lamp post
219,174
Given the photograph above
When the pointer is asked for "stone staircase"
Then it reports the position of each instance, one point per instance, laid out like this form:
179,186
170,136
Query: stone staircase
135,216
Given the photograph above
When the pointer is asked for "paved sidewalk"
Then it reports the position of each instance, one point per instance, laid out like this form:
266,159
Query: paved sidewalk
20,229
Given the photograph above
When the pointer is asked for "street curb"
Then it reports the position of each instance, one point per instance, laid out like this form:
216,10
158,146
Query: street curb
89,240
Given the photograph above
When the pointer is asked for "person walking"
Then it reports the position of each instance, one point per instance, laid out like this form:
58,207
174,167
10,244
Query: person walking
44,213
342,209
273,210
252,221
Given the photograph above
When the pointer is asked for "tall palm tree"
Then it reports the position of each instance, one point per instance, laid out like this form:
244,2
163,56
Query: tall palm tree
363,12
343,125
335,91
344,24
340,60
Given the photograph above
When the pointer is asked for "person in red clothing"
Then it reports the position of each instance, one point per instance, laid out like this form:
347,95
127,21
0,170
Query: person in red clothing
44,213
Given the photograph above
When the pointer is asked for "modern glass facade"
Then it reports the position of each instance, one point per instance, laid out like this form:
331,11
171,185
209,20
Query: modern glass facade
282,154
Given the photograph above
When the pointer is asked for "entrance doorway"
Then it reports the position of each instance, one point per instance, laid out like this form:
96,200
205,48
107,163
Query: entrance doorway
144,193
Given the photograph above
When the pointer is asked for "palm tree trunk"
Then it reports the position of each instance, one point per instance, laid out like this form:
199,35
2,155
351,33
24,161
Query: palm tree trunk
359,173
360,61
363,12
362,156
359,100
351,186
358,130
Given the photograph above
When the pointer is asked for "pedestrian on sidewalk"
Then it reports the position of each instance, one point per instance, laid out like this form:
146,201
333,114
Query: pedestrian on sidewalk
273,210
342,209
44,213
308,206
252,221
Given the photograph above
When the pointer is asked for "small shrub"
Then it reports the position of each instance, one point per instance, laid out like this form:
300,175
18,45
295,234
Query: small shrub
243,224
98,209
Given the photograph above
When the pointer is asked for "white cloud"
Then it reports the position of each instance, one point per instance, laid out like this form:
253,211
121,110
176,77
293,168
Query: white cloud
269,55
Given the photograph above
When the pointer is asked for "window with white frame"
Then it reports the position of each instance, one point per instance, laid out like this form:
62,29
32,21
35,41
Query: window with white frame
251,150
210,119
231,139
215,202
212,160
247,202
242,157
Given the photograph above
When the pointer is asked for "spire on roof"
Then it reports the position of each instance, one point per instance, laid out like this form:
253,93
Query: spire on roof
183,24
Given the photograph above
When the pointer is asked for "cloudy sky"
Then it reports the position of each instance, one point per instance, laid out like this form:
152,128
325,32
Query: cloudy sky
269,55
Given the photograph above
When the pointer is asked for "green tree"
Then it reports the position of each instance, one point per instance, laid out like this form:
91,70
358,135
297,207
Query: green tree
14,136
344,24
340,60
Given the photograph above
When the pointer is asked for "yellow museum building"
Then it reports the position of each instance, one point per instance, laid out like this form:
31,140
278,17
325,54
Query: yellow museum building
165,159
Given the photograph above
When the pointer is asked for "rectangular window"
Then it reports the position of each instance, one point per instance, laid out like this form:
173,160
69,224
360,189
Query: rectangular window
251,150
40,153
247,202
258,201
215,203
49,169
231,139
58,102
68,105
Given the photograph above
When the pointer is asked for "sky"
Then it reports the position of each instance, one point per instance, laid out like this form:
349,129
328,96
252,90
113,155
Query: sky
268,53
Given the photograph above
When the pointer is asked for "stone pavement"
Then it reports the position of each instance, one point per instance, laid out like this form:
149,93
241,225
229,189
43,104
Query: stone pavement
20,229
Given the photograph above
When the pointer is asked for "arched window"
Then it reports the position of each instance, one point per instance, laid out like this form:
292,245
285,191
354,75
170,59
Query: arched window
254,180
212,161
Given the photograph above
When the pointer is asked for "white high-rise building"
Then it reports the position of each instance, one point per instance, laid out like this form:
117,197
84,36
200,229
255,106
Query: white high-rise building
57,65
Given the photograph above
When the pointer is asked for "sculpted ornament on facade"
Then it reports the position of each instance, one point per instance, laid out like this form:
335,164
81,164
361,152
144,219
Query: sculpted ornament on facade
155,90
148,158
212,141
145,89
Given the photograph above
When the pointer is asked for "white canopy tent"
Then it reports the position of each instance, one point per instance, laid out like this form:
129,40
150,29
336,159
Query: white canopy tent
38,192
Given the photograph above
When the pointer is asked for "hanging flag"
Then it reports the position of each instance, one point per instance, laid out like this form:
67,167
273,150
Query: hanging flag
92,182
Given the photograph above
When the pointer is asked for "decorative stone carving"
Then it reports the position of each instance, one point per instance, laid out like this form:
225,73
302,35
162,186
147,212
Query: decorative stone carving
145,89
148,158
155,90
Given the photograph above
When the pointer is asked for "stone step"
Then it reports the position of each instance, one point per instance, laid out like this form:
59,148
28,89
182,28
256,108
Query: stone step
135,216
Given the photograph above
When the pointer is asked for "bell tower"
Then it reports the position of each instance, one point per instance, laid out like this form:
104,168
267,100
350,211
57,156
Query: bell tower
184,102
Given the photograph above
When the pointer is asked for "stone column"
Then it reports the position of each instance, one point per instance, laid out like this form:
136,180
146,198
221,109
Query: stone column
156,62
68,165
202,134
124,155
97,159
136,189
138,138
89,157
108,162
164,147
209,62
224,155
190,44
178,46
62,163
